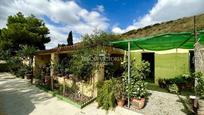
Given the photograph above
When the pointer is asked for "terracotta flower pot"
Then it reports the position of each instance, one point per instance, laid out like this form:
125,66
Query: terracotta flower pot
138,103
120,102
47,80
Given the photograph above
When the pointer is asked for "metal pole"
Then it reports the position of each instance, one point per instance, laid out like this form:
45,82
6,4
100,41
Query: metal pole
195,30
196,58
128,74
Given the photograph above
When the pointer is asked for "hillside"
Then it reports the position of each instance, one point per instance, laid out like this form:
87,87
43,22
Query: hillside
180,25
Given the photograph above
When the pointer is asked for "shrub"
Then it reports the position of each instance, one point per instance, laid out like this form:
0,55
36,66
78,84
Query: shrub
59,69
119,90
28,69
199,89
16,66
60,91
21,72
173,88
183,82
4,67
105,94
162,83
87,59
81,65
137,88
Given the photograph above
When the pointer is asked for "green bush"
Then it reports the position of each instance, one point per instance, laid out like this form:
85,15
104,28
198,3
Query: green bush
173,88
119,90
137,88
199,89
183,82
86,59
4,67
60,91
14,64
21,72
105,94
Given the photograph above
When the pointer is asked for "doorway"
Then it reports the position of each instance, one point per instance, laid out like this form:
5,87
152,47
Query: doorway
150,57
191,61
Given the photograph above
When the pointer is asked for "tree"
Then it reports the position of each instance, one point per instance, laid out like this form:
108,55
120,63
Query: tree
22,31
70,39
84,59
28,52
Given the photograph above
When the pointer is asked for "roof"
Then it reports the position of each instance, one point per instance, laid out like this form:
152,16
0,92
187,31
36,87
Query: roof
184,40
60,49
71,48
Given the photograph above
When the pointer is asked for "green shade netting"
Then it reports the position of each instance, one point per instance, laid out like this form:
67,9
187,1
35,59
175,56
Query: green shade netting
168,41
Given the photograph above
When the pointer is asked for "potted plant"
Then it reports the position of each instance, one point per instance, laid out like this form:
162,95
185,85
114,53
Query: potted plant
60,69
28,73
47,79
21,71
138,94
119,93
37,78
136,88
105,94
162,83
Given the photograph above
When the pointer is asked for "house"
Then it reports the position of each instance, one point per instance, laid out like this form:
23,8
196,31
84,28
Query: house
56,55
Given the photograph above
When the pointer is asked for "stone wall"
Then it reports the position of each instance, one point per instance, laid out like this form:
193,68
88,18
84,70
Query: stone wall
86,88
199,58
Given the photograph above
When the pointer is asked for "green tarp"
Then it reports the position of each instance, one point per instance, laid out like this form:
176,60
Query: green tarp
168,41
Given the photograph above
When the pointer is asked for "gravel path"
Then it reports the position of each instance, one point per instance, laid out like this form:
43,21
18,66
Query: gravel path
160,103
18,97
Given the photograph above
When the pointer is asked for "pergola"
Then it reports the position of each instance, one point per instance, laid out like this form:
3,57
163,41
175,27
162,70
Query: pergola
184,40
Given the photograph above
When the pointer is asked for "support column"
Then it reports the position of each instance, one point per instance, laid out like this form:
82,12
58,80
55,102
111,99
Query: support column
54,60
198,55
35,66
98,76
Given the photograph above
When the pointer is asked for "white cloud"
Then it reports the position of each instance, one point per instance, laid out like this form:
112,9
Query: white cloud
118,30
100,8
165,10
68,13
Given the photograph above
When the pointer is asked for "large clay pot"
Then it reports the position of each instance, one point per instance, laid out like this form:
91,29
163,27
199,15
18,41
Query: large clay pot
138,103
120,102
47,80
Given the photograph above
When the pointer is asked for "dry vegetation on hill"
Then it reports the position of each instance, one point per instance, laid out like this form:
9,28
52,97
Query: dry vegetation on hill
179,25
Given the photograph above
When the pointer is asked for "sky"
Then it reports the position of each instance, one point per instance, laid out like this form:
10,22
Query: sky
86,16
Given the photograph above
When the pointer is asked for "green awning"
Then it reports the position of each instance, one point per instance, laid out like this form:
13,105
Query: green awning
167,41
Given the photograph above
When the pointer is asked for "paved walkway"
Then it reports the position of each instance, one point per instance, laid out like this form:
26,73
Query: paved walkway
18,97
